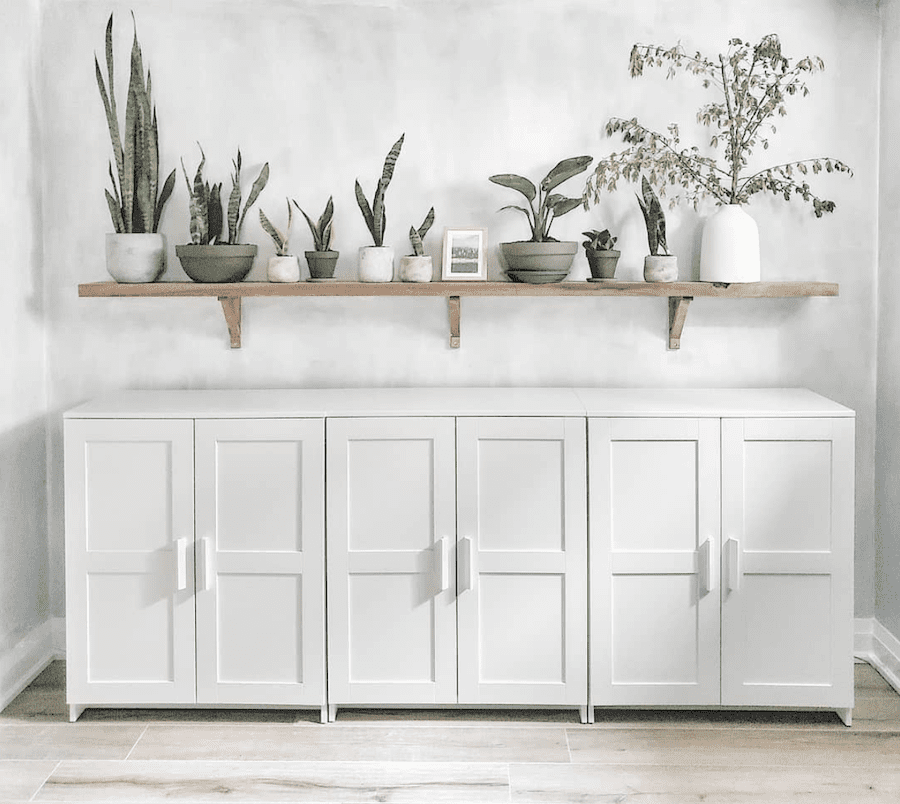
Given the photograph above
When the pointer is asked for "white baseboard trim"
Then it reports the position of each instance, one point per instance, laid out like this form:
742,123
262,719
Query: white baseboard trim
20,665
879,647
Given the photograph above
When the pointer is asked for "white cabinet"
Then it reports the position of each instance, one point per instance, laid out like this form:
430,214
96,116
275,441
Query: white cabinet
142,626
129,562
721,561
457,561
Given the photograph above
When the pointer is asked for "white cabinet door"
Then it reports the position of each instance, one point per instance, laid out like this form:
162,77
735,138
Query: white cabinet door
654,542
787,522
129,561
260,486
391,524
522,561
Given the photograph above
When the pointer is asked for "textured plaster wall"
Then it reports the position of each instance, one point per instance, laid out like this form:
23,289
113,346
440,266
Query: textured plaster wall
887,465
322,89
23,501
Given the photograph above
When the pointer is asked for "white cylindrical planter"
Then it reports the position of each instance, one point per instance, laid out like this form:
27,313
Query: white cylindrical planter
660,268
376,264
284,269
416,269
139,257
729,248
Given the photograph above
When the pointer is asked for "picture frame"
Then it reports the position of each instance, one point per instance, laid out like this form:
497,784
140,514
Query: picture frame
464,255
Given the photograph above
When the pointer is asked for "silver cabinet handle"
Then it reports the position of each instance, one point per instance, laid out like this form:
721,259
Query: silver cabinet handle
181,564
733,546
466,574
707,558
441,565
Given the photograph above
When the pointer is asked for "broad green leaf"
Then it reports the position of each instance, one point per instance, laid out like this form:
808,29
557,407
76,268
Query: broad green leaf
564,205
515,182
565,170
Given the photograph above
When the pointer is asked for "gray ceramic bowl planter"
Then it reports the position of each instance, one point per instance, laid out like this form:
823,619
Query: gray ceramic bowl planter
219,263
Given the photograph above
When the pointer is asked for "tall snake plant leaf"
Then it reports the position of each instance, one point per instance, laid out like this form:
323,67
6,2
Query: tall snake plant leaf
426,224
261,180
416,241
115,213
324,221
277,236
234,200
565,170
112,121
215,221
366,210
164,194
379,214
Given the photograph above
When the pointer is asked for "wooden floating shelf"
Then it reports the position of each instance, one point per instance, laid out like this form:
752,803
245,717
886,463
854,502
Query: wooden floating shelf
680,294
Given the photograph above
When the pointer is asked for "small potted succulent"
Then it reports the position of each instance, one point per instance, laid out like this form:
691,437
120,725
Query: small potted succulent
376,262
322,260
601,253
542,252
284,266
136,252
417,267
209,257
658,267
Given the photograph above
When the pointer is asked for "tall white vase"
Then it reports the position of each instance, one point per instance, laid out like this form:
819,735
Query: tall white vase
729,249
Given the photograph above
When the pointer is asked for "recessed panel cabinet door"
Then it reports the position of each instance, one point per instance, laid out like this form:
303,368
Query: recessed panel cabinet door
522,561
260,561
654,520
787,525
391,571
129,561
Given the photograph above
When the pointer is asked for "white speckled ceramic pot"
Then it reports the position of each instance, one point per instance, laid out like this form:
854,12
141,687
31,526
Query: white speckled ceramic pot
137,257
376,264
660,268
416,269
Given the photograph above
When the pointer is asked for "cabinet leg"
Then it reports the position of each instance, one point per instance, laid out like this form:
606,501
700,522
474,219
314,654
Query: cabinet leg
75,712
323,717
846,716
332,713
585,713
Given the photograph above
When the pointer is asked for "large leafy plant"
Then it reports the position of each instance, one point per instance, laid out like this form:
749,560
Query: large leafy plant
136,201
544,206
752,84
206,205
375,216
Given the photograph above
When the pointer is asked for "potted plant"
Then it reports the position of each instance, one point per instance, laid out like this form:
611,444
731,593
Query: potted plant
136,252
376,262
284,266
601,253
209,257
542,252
752,84
657,267
417,267
322,260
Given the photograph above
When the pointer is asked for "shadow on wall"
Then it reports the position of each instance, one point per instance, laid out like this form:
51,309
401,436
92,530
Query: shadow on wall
24,590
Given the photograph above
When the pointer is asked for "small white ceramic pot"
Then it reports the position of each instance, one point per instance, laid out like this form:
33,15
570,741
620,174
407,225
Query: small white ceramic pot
376,264
660,268
137,257
284,269
416,269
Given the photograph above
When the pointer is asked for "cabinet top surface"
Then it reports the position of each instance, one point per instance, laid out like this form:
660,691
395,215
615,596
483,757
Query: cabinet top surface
317,403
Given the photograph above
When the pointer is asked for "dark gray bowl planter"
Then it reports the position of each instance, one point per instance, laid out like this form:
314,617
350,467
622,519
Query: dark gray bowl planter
546,256
221,263
602,262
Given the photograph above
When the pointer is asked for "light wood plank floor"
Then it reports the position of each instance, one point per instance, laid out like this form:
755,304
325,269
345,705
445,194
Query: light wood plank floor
185,756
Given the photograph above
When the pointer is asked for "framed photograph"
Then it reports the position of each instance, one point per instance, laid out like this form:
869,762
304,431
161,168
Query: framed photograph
465,254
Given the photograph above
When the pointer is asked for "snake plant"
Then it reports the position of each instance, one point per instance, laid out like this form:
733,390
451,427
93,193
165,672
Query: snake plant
206,205
136,201
279,238
654,218
374,215
417,236
321,229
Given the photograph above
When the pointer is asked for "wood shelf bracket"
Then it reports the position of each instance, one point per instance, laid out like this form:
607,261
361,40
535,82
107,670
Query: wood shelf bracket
453,307
678,307
231,306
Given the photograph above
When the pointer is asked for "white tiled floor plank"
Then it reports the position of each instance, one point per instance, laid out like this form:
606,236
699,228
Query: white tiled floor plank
21,779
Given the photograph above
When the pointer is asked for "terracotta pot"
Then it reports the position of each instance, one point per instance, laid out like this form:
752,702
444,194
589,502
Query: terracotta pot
221,263
376,264
660,268
602,262
547,256
414,268
729,248
321,264
284,268
137,257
